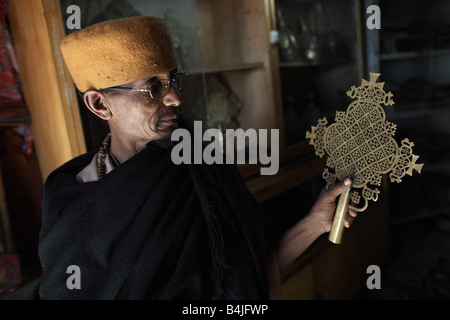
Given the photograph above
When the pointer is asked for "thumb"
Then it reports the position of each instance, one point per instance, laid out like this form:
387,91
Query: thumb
340,187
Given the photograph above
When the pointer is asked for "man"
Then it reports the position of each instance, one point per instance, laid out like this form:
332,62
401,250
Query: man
136,225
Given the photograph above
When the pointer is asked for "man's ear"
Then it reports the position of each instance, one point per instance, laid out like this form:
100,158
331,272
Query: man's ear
96,102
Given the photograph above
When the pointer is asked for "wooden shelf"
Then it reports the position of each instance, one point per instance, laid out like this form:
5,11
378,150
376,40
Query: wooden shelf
296,64
302,64
293,155
230,68
289,176
11,116
413,55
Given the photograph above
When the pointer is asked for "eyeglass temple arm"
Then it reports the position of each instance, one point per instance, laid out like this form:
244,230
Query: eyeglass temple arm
118,89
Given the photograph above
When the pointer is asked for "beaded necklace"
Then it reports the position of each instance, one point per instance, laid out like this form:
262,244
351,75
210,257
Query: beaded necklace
101,156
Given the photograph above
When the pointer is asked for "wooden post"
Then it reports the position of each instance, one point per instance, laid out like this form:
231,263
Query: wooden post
37,29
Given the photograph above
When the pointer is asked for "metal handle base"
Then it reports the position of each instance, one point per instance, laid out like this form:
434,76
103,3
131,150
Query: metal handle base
337,229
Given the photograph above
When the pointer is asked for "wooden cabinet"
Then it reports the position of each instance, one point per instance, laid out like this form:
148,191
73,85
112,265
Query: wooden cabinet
234,43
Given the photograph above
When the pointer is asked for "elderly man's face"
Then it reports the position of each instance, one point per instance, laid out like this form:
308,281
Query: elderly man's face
138,116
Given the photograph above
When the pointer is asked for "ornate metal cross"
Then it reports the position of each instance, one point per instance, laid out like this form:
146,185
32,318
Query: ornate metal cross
360,145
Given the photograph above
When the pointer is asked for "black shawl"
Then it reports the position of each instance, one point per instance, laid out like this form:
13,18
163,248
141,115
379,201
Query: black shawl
153,230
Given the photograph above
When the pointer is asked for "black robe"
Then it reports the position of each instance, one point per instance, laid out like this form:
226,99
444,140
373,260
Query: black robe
154,230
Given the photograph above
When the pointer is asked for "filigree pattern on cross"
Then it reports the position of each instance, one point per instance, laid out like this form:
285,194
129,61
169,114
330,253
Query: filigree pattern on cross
360,143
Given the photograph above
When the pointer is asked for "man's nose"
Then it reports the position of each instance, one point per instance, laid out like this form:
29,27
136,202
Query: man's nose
173,97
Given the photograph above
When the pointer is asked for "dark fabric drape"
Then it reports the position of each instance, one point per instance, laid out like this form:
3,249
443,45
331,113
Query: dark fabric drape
153,230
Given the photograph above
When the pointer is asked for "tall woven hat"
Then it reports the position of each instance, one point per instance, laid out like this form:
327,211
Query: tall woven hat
118,51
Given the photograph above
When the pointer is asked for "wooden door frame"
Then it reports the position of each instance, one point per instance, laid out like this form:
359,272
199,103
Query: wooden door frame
37,30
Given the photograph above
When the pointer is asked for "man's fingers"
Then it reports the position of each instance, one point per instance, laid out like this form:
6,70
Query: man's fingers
340,187
350,218
352,212
348,222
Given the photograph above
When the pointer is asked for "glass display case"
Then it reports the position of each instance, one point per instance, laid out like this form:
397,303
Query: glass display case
319,58
412,52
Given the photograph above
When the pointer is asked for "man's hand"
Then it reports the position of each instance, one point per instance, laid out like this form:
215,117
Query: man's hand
322,212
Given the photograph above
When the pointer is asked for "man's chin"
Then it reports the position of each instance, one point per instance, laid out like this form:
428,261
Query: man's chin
165,129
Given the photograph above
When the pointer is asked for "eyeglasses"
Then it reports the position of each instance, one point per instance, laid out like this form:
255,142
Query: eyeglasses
158,88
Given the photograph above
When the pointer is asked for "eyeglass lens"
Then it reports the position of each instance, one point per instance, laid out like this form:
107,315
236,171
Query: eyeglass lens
161,87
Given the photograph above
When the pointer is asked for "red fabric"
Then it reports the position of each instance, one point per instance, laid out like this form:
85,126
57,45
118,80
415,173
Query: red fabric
10,90
10,93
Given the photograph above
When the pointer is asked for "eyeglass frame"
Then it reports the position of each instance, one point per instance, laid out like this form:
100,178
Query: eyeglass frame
149,90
